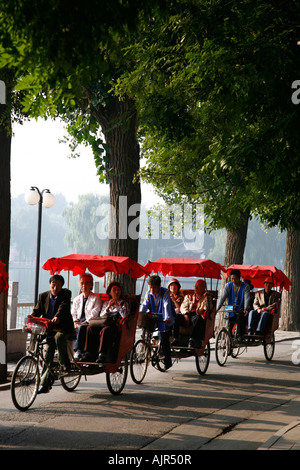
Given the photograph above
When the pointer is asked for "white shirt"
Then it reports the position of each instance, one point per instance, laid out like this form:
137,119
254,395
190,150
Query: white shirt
122,309
92,307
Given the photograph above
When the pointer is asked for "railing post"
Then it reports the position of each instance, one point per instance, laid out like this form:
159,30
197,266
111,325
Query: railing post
12,304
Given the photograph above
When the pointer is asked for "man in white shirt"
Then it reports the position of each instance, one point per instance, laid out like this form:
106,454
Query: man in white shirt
86,306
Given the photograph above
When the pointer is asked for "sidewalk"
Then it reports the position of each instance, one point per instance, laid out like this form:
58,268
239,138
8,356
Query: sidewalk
286,438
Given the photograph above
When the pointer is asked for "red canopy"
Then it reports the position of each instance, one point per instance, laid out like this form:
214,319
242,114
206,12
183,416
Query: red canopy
96,264
258,273
3,278
182,267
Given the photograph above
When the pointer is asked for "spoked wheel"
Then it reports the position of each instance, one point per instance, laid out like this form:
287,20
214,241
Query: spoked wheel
269,348
202,362
158,360
139,360
70,380
25,383
116,380
223,346
235,351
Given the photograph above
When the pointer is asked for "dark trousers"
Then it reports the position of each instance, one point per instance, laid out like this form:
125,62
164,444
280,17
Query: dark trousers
179,321
98,339
58,341
197,323
240,319
198,327
107,336
165,346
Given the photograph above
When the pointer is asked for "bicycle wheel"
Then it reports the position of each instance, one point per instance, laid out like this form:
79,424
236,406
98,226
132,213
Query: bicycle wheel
70,380
116,380
139,360
235,351
223,346
158,359
269,349
25,383
202,362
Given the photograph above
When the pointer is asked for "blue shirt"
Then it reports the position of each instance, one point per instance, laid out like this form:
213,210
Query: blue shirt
240,297
50,313
161,304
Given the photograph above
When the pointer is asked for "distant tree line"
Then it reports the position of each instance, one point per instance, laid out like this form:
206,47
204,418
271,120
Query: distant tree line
72,228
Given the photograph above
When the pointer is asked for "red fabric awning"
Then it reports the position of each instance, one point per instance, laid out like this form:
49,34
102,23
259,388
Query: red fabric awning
184,267
96,264
258,273
3,278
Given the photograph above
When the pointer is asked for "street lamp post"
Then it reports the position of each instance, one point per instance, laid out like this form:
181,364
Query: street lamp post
46,199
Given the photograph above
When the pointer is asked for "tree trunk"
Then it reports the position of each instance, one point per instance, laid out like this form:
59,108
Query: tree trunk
234,253
290,304
5,140
236,242
119,125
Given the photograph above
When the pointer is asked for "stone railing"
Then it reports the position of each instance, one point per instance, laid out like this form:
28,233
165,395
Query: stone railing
16,314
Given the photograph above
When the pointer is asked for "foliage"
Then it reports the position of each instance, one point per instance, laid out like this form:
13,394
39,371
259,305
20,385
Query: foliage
213,88
82,219
66,57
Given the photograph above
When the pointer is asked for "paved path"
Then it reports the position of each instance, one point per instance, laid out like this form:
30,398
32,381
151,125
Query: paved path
238,422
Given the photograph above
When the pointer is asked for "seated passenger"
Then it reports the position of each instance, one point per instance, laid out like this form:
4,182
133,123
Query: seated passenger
100,333
86,306
157,300
196,306
176,300
175,296
265,301
237,294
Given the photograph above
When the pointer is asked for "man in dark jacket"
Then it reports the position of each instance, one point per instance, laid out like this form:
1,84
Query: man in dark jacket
56,306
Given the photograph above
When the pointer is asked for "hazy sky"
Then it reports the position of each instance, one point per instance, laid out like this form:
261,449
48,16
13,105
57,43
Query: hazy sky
38,159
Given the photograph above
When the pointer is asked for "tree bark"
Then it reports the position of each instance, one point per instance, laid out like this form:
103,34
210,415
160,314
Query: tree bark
236,242
5,141
119,126
290,303
234,253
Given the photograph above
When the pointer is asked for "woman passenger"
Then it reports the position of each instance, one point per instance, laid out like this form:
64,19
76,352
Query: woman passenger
99,338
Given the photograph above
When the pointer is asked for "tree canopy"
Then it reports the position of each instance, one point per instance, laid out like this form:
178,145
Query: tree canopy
213,87
211,81
66,57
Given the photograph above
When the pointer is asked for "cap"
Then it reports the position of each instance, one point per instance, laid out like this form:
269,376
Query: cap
174,281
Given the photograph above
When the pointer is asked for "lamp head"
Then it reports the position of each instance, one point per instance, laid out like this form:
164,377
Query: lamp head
48,199
32,197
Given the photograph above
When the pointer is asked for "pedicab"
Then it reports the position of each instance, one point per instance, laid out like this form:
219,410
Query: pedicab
227,342
148,349
26,376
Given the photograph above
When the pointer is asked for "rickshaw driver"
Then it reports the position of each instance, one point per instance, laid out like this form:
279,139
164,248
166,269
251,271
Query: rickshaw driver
237,294
55,305
157,300
265,301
